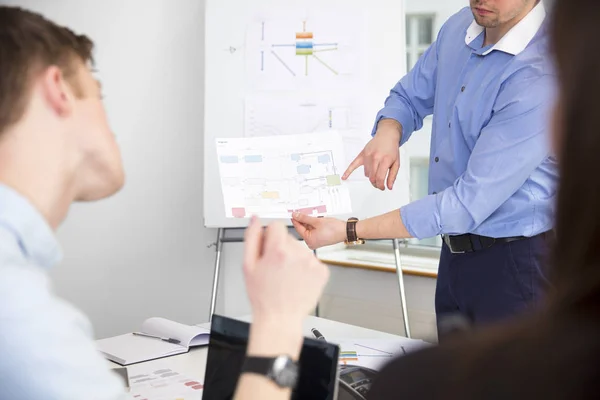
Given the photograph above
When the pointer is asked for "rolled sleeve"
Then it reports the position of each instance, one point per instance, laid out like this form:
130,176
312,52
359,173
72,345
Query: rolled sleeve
422,217
402,115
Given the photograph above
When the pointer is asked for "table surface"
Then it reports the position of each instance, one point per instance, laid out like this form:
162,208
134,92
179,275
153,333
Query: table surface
193,363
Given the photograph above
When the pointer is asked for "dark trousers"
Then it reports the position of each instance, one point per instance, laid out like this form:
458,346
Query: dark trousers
490,285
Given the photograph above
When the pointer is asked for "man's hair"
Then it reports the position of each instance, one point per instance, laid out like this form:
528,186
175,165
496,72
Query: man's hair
29,43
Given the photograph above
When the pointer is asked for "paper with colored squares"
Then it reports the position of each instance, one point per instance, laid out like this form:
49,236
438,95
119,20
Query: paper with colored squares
164,384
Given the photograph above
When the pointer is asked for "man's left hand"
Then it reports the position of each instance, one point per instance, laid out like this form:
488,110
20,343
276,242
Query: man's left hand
319,232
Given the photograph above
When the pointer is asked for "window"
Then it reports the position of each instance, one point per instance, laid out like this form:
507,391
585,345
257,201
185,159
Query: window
419,36
419,182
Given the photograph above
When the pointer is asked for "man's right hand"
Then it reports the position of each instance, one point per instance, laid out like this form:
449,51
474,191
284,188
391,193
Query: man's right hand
380,157
284,279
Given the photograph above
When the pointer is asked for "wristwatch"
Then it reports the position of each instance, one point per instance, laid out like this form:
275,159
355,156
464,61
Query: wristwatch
351,237
282,369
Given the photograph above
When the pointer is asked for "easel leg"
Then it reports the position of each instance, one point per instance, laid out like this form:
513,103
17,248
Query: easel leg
317,307
401,287
215,288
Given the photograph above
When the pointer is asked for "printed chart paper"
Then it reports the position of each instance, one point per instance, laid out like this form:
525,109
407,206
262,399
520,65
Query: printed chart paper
375,353
272,177
164,384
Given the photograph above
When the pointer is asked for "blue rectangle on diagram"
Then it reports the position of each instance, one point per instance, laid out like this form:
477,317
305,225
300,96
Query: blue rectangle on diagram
253,159
303,169
304,45
230,159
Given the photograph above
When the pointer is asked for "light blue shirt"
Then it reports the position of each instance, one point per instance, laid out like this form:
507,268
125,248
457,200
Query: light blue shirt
46,346
491,172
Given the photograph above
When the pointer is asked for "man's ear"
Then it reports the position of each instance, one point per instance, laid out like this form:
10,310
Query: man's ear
57,91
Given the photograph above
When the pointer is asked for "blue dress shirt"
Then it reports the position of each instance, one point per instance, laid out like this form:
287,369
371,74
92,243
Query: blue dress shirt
46,346
491,171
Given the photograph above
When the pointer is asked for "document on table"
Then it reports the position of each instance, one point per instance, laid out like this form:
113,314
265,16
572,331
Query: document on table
375,353
164,384
272,177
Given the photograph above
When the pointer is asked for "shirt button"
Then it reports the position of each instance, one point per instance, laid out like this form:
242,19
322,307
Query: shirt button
437,159
462,89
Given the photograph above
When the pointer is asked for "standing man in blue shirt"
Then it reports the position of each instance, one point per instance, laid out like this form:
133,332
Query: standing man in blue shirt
489,86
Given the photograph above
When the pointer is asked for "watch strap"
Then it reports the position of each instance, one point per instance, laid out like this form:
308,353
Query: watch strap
351,229
282,370
258,365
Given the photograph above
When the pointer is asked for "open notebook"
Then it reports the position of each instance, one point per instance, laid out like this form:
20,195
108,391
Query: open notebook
130,349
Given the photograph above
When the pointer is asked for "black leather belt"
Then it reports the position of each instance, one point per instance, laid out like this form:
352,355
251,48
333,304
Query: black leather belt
470,243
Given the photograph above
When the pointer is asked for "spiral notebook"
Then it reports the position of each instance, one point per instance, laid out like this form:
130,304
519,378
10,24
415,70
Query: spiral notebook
130,349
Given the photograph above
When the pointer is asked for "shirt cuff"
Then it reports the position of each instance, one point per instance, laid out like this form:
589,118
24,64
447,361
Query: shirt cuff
422,217
403,117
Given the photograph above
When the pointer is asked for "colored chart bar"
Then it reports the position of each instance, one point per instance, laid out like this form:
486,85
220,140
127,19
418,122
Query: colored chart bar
304,45
304,35
304,48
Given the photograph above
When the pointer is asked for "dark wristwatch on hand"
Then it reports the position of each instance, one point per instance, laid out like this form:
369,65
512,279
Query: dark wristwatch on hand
282,369
351,238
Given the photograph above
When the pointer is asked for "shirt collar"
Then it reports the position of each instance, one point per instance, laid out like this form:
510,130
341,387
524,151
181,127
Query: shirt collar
33,233
517,39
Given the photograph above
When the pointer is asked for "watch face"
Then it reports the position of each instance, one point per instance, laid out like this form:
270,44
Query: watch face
285,372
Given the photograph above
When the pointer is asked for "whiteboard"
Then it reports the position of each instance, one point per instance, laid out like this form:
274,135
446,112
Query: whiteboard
227,86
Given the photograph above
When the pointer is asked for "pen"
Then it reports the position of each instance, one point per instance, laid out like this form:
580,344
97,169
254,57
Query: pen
317,334
169,340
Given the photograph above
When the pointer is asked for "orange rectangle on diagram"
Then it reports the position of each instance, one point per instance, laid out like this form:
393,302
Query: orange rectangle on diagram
304,35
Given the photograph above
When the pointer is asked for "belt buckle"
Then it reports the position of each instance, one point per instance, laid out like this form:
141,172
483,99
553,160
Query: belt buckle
446,239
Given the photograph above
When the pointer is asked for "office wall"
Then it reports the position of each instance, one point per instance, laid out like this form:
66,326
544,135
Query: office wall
143,252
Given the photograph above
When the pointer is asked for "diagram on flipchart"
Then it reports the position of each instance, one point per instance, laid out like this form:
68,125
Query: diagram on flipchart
315,53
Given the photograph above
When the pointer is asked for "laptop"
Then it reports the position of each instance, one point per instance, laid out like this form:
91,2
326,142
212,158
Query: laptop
227,349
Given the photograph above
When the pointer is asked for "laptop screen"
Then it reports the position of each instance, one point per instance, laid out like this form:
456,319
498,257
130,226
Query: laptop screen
227,350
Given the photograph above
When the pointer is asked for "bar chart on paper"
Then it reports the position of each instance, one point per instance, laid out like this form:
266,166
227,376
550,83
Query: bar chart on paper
375,353
164,384
272,177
